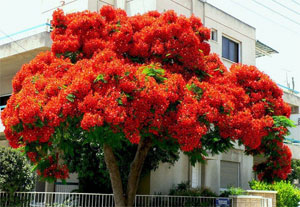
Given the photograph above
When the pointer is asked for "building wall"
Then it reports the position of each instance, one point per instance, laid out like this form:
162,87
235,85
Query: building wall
232,28
168,176
294,101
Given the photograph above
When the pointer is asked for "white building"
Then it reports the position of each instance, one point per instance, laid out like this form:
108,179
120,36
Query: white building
232,39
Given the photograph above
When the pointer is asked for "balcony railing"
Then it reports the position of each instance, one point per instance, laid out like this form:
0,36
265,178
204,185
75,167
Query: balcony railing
7,38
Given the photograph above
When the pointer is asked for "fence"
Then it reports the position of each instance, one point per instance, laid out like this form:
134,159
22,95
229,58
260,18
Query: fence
49,199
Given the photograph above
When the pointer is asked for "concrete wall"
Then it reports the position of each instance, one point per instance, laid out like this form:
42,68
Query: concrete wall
4,143
5,84
234,29
291,99
294,100
134,7
247,201
264,194
168,176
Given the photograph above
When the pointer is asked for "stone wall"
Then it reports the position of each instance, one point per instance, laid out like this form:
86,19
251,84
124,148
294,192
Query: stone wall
265,194
247,201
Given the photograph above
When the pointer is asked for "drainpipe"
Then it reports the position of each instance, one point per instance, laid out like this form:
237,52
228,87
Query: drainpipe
194,4
120,4
204,4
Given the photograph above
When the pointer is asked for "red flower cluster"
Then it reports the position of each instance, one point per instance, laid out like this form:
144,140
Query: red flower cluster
150,73
54,170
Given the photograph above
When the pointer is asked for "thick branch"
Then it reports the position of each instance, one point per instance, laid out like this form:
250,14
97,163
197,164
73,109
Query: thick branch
115,176
136,169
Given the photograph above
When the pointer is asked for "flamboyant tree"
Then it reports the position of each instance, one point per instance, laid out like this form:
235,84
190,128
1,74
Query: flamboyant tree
150,79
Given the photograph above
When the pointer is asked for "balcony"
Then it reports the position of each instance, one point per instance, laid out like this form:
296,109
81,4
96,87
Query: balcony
19,48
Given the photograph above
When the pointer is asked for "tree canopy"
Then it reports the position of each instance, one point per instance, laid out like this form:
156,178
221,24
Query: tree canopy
146,78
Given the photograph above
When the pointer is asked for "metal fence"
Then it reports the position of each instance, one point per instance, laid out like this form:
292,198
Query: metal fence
49,199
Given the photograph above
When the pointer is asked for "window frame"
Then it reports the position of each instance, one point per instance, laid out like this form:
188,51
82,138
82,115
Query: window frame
213,30
222,188
237,43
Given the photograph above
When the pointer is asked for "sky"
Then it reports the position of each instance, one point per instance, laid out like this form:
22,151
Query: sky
277,24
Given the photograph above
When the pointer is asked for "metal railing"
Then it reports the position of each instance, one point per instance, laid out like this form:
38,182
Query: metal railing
49,199
7,38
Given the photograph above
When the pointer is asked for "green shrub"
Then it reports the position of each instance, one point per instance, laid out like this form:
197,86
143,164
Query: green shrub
287,194
15,171
184,189
233,191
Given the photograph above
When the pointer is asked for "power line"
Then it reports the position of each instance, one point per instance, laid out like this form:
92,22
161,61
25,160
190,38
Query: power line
283,26
296,2
278,13
298,13
12,40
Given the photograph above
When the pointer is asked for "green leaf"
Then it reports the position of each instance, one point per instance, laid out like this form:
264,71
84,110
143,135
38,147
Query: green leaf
34,168
17,106
119,100
39,123
197,90
156,73
34,78
118,23
100,77
71,97
218,69
18,128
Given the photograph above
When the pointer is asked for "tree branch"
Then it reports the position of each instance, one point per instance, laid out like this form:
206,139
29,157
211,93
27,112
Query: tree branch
115,177
136,169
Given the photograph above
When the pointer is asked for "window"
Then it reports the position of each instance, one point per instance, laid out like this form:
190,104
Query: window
3,101
295,109
213,35
230,50
230,174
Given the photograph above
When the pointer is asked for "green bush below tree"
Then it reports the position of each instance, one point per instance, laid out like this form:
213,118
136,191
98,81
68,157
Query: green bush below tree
287,194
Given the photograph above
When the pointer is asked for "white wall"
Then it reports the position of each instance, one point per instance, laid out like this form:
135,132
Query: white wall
233,28
168,176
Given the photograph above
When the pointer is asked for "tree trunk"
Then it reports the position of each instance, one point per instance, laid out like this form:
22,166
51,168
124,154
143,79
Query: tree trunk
136,169
115,176
134,173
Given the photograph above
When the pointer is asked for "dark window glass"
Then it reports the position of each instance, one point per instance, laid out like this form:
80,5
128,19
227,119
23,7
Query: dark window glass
230,49
213,35
3,100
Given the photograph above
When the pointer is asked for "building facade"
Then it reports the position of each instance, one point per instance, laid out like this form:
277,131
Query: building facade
232,39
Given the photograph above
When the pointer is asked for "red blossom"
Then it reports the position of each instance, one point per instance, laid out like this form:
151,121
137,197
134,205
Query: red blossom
150,73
